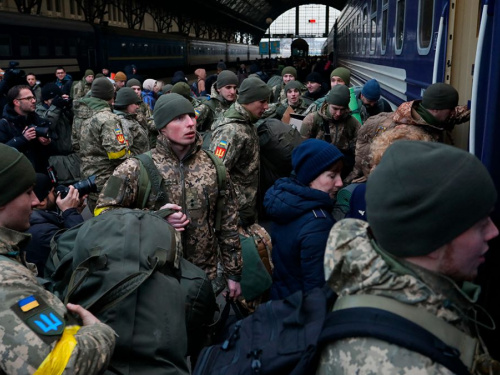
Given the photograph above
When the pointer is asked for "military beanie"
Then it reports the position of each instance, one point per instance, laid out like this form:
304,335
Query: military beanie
102,88
423,195
134,82
126,96
16,174
252,90
371,90
289,70
170,106
182,88
293,85
50,90
343,73
313,157
339,95
88,72
226,77
440,96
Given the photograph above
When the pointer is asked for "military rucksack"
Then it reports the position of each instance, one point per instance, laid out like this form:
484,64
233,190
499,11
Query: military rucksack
126,267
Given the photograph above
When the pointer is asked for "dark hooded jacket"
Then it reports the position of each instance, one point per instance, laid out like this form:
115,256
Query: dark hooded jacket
302,220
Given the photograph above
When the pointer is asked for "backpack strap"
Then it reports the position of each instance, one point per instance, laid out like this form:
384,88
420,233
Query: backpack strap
323,125
442,338
221,183
150,181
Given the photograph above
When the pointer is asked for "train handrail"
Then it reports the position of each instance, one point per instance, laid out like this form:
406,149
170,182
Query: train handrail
438,44
475,79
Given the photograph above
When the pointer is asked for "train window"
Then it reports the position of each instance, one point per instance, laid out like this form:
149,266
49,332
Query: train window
400,26
49,6
425,22
359,34
385,20
72,50
373,26
5,48
43,47
24,43
58,5
365,30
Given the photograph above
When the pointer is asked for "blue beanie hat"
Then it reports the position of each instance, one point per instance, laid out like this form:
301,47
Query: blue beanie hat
313,157
371,90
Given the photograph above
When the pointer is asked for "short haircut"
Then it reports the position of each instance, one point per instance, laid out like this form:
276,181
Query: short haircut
13,93
31,74
59,68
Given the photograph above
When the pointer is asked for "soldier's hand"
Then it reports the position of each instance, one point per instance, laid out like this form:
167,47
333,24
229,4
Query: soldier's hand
29,133
178,219
44,141
86,316
234,288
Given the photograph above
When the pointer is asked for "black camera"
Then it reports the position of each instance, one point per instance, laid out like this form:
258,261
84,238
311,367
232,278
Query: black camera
13,66
84,187
44,131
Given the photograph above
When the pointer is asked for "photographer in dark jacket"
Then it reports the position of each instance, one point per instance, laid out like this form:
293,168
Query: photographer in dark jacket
50,215
18,127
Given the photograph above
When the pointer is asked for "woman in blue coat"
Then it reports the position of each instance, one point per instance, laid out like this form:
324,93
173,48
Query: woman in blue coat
301,210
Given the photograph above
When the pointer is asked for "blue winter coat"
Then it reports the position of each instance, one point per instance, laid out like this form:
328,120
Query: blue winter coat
302,219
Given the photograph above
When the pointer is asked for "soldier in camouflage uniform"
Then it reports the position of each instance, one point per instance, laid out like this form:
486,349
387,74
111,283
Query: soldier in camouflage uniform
294,102
437,114
126,105
103,145
81,88
235,141
422,248
35,324
190,183
144,113
278,92
222,97
334,123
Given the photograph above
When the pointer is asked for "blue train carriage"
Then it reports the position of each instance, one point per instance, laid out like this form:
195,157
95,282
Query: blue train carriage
237,51
153,53
205,53
40,44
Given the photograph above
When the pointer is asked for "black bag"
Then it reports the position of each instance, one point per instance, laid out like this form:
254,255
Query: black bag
285,337
125,267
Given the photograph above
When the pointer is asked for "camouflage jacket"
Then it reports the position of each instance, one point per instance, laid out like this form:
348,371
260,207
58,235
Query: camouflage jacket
103,145
22,350
61,123
235,141
137,136
209,111
406,114
145,119
354,266
192,184
343,133
304,107
80,89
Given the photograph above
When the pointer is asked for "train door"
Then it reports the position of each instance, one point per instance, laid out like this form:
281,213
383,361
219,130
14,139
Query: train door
461,52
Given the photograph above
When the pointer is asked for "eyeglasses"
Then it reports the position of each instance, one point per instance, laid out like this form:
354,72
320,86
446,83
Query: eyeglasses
27,98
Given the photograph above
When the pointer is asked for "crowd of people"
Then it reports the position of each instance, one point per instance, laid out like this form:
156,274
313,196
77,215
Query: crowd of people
376,205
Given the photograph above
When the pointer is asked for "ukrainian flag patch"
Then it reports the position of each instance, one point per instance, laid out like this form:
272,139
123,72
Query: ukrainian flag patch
221,149
28,303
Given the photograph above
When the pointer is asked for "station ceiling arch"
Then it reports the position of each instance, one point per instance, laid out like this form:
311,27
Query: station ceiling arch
243,15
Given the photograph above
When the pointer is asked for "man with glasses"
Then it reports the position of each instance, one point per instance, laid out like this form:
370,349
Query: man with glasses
334,123
18,127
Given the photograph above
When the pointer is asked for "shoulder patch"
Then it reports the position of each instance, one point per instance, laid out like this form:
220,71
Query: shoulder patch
221,149
40,317
119,135
197,112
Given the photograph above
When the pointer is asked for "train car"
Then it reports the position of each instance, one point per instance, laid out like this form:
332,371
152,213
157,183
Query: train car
204,53
407,45
152,52
40,45
253,53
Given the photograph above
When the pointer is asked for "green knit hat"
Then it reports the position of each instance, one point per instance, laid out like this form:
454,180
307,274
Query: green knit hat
423,195
102,88
88,72
289,70
226,77
126,96
293,85
252,90
440,96
170,106
16,174
134,82
339,95
343,73
182,88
